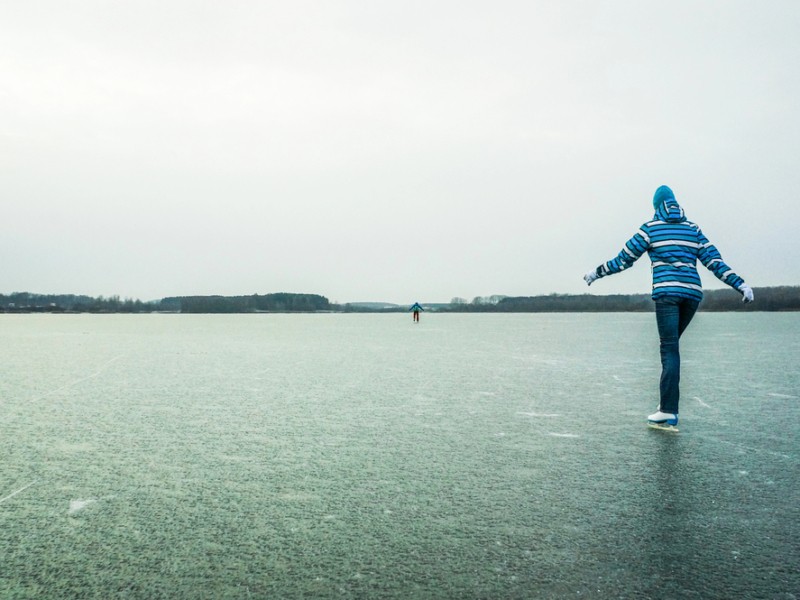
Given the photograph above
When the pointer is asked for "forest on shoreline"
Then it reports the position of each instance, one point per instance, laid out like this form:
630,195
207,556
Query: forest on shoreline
781,298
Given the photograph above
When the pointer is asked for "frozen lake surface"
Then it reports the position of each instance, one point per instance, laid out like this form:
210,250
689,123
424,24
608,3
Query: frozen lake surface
363,456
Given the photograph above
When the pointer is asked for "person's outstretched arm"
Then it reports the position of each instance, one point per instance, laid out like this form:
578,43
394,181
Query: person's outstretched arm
712,260
633,251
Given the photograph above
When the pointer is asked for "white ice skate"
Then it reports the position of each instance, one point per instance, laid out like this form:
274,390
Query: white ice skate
663,421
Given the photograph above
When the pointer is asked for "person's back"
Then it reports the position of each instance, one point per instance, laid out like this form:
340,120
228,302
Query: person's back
674,245
415,308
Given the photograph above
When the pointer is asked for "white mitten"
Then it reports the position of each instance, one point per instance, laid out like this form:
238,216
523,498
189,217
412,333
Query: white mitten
747,293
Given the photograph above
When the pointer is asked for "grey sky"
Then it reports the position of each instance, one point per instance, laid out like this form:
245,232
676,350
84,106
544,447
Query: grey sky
392,151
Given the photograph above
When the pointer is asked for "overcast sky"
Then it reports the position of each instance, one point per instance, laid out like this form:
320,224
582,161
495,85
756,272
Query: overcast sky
389,151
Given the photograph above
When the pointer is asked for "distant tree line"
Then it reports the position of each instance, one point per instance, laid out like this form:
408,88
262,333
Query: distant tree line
281,302
767,299
27,302
581,303
784,298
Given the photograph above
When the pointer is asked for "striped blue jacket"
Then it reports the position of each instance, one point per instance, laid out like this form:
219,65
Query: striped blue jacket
674,246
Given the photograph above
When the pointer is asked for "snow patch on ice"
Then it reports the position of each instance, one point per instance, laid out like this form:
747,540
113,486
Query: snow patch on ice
76,506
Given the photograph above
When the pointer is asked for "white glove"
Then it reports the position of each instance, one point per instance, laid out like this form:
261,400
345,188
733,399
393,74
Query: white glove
590,277
747,293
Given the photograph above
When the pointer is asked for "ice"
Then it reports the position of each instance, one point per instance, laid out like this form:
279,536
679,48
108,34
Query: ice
14,493
432,461
701,402
535,414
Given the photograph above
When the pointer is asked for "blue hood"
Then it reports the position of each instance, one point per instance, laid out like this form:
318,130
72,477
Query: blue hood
667,208
663,193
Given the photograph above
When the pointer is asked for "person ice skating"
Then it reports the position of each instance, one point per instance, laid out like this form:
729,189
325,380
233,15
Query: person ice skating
416,308
674,245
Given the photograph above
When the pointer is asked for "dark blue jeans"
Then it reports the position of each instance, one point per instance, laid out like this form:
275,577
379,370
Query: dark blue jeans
673,316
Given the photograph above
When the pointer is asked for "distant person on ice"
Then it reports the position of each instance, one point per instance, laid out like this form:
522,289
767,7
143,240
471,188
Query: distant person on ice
415,308
674,246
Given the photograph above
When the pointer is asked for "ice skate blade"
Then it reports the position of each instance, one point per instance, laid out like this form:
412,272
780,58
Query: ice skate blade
662,426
